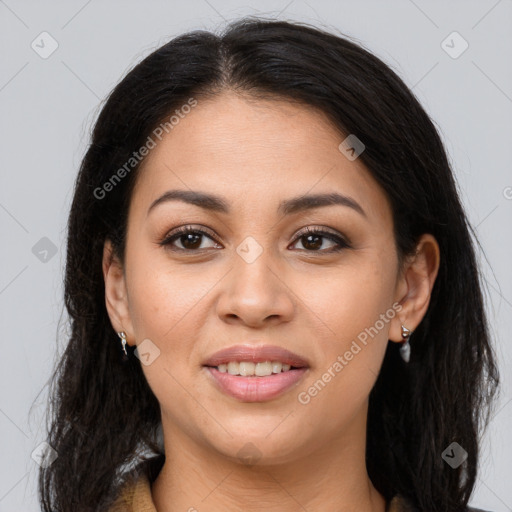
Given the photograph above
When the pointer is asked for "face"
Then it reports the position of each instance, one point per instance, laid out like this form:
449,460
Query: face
261,266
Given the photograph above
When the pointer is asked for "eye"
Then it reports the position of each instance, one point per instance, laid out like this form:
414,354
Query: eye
189,237
311,238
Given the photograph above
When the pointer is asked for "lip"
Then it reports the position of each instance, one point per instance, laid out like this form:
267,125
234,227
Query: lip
256,354
256,389
253,388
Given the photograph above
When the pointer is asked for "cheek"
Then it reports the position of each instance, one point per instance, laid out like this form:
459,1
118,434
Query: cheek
169,306
164,304
355,310
351,299
162,296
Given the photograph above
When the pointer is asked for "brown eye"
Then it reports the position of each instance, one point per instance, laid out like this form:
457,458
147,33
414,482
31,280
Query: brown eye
312,240
189,237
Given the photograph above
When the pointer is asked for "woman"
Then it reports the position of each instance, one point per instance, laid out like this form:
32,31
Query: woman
273,291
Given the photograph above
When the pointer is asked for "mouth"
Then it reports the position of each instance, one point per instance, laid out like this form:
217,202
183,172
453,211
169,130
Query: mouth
251,369
255,373
257,354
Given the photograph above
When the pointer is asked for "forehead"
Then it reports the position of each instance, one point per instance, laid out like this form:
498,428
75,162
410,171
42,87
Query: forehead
254,151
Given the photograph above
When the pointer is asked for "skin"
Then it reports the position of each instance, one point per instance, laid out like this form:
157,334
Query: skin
256,153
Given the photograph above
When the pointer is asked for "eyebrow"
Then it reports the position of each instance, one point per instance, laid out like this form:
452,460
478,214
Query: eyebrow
216,203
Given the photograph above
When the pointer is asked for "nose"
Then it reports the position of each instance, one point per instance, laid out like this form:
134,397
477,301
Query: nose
255,292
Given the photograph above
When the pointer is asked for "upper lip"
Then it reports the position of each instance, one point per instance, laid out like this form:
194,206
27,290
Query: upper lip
256,354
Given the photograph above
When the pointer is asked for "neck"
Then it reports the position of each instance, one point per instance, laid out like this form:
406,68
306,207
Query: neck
332,478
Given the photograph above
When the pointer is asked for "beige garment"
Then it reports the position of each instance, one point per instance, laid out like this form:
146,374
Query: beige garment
135,497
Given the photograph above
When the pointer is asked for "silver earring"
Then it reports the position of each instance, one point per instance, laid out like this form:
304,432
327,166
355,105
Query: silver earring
122,335
405,349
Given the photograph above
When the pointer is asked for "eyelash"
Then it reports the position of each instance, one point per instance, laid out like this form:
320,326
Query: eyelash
185,230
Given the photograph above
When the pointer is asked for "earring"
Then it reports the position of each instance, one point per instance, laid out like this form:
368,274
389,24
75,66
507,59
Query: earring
122,335
405,349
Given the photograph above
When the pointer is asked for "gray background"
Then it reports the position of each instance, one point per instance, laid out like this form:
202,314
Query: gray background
48,106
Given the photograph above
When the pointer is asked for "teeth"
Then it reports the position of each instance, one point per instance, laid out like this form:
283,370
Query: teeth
276,367
248,368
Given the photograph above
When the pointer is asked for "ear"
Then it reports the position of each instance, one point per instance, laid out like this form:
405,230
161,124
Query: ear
116,297
414,287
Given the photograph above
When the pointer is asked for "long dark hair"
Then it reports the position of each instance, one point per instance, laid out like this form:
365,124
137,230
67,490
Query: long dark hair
103,413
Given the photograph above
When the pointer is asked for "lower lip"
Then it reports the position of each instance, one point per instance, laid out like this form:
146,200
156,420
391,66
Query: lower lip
256,389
